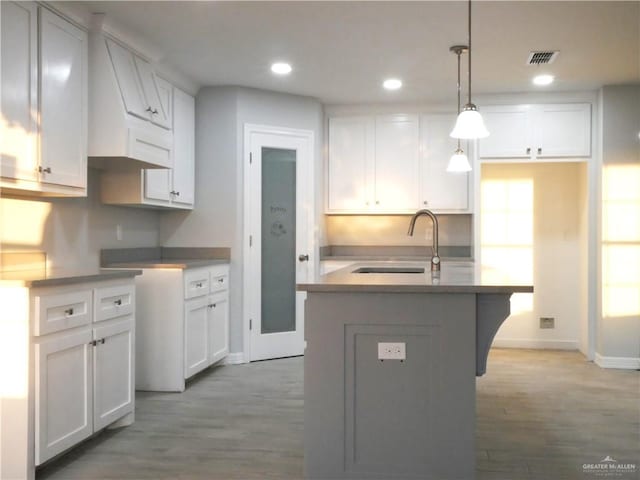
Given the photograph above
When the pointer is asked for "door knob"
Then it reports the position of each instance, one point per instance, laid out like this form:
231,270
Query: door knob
303,258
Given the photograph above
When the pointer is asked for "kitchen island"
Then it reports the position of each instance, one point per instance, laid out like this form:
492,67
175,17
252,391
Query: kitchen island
390,365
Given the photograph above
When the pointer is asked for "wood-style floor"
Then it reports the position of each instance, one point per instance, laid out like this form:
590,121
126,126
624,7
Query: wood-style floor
541,415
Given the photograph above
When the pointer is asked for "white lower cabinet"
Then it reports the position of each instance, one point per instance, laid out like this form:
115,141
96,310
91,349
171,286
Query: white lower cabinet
196,339
64,392
182,324
84,373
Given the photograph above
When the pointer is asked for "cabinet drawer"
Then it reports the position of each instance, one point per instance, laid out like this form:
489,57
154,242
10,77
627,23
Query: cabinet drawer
59,311
113,302
196,283
219,281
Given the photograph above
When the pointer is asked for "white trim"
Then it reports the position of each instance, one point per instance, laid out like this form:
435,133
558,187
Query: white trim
626,363
236,358
535,344
314,253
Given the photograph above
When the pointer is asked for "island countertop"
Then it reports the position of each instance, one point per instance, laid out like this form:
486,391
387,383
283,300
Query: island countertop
454,277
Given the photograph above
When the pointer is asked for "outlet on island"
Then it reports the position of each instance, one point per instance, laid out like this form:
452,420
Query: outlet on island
392,351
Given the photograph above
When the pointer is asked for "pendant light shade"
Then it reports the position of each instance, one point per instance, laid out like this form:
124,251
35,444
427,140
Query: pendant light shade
469,124
458,163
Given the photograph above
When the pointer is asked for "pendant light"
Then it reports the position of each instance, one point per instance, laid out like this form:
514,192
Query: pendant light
459,161
469,124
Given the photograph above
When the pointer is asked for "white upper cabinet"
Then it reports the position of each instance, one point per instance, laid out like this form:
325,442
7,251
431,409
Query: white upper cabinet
537,131
350,163
138,85
564,130
396,163
44,102
18,158
124,67
184,127
393,164
173,187
440,190
129,119
63,101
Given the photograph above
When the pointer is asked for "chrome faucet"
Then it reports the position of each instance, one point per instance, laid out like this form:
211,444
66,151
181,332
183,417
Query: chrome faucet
435,258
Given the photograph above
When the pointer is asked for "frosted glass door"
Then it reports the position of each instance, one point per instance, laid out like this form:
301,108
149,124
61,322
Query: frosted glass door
278,240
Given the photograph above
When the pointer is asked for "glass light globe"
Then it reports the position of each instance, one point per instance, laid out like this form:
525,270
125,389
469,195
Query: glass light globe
458,163
469,124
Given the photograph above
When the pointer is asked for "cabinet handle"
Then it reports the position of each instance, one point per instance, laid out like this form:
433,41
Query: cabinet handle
377,202
92,343
44,170
149,109
199,285
177,194
69,311
118,302
539,150
212,305
221,280
102,340
528,150
155,111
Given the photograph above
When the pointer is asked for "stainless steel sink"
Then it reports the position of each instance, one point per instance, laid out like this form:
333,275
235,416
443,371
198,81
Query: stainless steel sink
389,270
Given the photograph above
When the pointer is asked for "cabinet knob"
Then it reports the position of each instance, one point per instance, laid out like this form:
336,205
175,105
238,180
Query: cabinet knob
425,202
155,111
303,258
102,340
377,202
177,194
198,285
69,311
118,302
44,170
528,150
149,109
221,280
539,150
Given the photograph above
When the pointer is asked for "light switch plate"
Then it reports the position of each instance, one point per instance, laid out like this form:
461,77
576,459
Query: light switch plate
392,351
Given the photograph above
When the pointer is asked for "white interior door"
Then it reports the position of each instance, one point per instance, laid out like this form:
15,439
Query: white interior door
279,246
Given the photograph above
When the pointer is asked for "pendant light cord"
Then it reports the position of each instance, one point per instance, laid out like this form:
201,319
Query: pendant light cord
469,44
459,52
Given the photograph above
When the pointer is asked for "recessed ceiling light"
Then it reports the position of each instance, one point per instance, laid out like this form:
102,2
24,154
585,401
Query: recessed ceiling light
281,68
392,84
543,80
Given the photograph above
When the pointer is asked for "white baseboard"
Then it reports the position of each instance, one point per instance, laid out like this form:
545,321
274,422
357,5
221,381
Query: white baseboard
535,344
235,358
626,363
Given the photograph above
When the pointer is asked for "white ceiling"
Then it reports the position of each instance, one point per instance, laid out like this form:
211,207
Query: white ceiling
341,51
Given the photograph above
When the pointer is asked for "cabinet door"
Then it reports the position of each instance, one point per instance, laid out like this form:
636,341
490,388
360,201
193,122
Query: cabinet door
165,92
63,101
183,148
128,80
157,185
563,130
18,77
218,327
509,127
397,163
64,392
350,169
113,372
196,338
151,94
441,190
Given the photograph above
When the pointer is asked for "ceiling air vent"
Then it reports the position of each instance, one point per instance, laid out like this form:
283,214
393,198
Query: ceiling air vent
542,58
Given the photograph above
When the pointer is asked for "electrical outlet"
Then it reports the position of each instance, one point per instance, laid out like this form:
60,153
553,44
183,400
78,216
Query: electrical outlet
392,351
547,322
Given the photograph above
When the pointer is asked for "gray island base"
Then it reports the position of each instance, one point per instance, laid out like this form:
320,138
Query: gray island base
367,418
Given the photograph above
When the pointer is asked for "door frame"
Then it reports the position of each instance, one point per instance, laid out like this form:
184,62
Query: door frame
247,282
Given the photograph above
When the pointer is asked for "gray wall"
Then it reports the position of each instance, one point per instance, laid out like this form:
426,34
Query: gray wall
217,220
619,336
73,230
